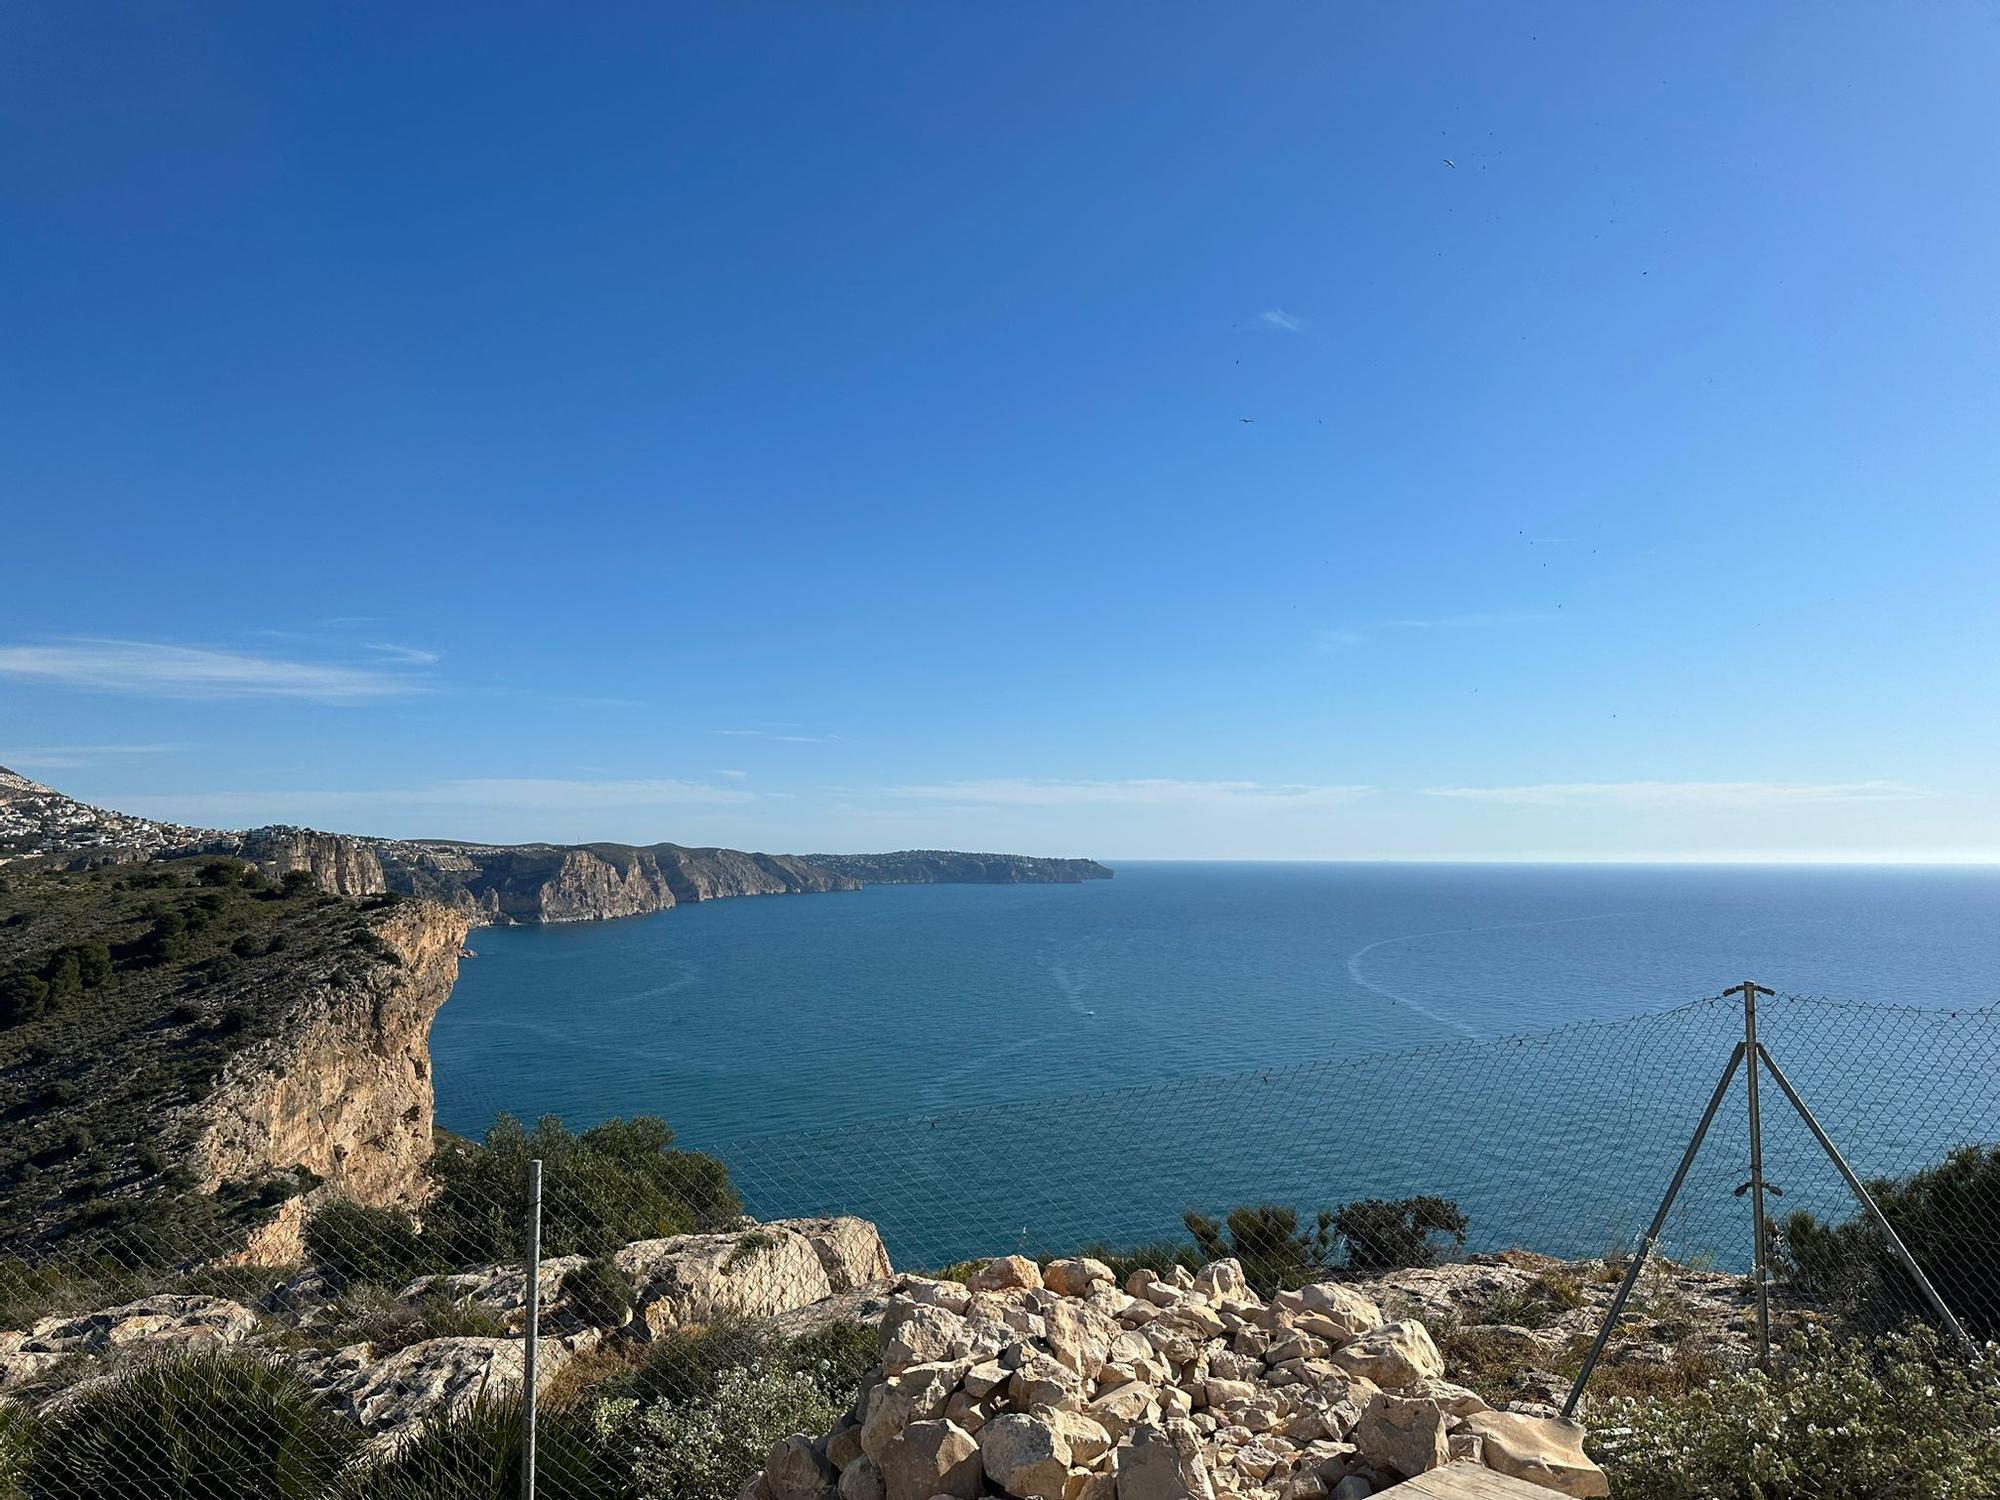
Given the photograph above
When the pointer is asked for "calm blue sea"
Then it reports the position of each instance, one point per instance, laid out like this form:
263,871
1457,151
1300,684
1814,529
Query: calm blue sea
937,1037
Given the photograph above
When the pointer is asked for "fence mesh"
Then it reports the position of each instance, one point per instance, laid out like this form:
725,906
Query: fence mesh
706,1318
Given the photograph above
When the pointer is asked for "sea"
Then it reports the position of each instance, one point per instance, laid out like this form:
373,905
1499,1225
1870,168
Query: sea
989,1068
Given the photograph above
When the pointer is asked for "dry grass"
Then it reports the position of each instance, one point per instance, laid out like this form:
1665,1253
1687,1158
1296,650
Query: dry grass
590,1369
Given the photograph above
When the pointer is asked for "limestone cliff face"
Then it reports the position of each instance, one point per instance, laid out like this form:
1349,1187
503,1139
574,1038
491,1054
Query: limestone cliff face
709,874
567,885
344,1086
343,865
588,882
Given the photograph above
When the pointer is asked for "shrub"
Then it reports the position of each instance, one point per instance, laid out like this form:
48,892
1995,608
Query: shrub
18,1434
475,1454
373,1315
1943,1214
200,1427
1392,1234
598,1293
691,1364
1836,1421
23,997
357,1244
611,1184
836,1357
688,1364
1265,1237
707,1449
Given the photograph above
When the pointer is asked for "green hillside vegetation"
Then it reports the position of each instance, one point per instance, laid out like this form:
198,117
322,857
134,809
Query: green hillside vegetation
124,991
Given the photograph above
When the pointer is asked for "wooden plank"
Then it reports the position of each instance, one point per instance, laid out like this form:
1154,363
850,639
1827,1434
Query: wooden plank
1465,1481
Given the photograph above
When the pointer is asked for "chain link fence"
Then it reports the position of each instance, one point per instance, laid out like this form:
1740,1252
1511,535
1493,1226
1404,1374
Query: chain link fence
691,1311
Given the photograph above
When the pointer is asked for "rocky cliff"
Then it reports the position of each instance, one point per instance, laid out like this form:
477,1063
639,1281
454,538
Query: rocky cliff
587,882
187,1047
341,864
341,1083
495,882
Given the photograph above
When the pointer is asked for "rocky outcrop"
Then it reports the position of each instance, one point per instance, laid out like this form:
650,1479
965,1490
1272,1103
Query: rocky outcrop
760,1271
1059,1385
945,867
1702,1317
391,1395
156,1324
341,864
343,1085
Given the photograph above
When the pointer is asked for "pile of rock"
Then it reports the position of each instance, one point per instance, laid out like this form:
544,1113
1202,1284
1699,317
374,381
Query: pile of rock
1060,1385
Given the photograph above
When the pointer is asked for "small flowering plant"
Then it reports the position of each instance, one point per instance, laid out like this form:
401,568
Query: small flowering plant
1835,1420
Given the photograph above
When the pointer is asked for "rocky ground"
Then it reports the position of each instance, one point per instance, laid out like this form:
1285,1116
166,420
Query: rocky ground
1036,1382
1058,1384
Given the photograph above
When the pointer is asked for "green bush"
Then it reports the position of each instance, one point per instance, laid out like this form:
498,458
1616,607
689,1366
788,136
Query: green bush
23,997
374,1315
690,1365
706,1449
1384,1234
603,1188
1944,1214
357,1244
836,1357
1266,1238
200,1427
475,1454
1854,1420
598,1293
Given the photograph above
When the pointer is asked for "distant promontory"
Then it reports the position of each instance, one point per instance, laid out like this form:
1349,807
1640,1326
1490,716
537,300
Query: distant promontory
494,883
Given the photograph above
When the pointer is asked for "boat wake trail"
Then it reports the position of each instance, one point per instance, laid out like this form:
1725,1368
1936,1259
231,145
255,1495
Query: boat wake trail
1426,1011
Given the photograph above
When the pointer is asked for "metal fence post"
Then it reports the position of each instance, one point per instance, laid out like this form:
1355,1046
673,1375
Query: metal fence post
1645,1248
1760,1269
532,1331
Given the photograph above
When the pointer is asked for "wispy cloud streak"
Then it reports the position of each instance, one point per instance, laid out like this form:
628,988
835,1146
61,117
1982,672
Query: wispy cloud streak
1283,321
1725,795
1146,792
157,669
1339,636
67,757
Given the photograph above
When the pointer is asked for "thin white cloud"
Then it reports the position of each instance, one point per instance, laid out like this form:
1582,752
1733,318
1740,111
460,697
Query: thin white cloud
1283,321
1146,792
67,757
509,794
1341,636
1692,795
156,669
739,775
415,656
769,734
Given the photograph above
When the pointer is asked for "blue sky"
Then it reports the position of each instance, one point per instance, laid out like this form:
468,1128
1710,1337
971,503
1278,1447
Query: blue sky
825,427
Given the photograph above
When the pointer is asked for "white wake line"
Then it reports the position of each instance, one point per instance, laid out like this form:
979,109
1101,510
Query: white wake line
1354,961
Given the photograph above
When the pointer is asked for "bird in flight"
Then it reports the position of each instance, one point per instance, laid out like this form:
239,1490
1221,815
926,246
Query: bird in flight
1246,419
1450,163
